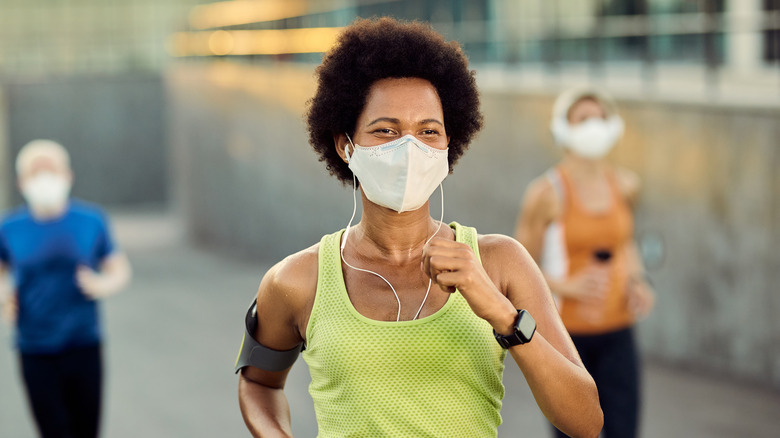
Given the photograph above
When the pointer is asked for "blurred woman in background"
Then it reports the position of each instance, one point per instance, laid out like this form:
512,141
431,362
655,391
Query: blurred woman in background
577,223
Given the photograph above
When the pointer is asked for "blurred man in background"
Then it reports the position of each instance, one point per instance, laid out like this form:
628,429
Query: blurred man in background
57,258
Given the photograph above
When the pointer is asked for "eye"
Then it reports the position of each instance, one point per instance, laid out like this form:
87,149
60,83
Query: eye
384,132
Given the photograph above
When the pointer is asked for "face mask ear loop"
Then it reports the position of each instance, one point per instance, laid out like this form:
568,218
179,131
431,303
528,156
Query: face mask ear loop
430,280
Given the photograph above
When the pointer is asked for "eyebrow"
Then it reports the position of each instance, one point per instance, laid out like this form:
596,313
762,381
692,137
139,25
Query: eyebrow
397,121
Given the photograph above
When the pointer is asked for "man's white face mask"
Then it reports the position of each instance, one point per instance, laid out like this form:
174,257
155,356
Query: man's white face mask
400,175
46,191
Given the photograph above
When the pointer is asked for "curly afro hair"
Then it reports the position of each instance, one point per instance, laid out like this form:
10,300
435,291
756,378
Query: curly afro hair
372,49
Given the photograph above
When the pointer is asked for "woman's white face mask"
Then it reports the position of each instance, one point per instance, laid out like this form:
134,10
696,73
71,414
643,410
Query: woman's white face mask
400,175
593,138
46,191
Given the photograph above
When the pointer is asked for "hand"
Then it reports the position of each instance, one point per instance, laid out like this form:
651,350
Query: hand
92,284
454,266
640,297
588,286
10,309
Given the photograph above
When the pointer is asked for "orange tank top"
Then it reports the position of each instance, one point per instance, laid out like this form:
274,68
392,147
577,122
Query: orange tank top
585,236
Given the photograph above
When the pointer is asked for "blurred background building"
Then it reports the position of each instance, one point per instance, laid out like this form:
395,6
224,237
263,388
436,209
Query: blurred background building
199,106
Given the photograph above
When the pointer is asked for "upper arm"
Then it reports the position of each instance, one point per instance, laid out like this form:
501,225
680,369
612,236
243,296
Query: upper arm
284,300
539,208
5,256
630,184
517,275
105,246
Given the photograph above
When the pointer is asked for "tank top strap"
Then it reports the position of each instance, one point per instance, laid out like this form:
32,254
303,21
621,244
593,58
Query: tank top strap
553,175
330,279
467,235
563,188
329,260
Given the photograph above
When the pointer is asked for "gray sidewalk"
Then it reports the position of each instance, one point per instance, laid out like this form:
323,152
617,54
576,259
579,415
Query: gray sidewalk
173,337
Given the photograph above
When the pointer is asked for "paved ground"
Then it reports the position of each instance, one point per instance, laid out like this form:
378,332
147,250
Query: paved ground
173,337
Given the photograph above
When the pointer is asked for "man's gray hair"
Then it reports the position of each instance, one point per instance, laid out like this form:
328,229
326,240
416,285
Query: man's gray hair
38,148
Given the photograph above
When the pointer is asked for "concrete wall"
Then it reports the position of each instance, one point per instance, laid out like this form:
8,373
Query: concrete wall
249,183
245,175
113,126
6,169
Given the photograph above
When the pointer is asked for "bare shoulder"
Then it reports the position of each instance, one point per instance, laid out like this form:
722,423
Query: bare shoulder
505,259
540,195
498,245
629,183
541,206
286,295
292,280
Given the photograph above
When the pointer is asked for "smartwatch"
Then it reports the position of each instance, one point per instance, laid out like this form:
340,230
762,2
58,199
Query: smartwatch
525,327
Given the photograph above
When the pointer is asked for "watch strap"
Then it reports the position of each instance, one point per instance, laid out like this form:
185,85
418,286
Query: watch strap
517,337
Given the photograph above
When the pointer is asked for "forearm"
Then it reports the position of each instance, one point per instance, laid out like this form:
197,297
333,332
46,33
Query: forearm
634,265
564,391
561,288
113,276
8,302
6,285
116,272
265,410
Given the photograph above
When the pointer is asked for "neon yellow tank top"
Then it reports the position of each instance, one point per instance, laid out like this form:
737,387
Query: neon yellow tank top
439,376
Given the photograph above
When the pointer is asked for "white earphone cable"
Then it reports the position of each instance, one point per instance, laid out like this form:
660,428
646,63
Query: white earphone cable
344,243
441,218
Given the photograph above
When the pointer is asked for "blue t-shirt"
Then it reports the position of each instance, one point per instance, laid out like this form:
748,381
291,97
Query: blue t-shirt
43,256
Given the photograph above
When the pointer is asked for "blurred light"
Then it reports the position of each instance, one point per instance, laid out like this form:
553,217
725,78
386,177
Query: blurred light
238,12
232,13
253,42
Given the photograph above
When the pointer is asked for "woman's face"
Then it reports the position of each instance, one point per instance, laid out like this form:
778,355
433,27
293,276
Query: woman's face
584,109
400,106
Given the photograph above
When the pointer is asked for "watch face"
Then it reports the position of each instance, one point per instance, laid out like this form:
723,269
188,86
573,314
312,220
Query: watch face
526,325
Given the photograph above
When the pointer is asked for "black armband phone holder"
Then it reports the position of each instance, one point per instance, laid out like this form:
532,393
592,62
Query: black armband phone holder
258,356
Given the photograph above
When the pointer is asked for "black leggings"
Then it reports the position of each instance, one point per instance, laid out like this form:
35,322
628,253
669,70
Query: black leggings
612,360
64,391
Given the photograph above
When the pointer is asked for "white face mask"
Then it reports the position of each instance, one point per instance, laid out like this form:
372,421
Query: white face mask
400,175
46,191
595,137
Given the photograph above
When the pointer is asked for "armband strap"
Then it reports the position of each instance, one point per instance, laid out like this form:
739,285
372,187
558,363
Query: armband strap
259,356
